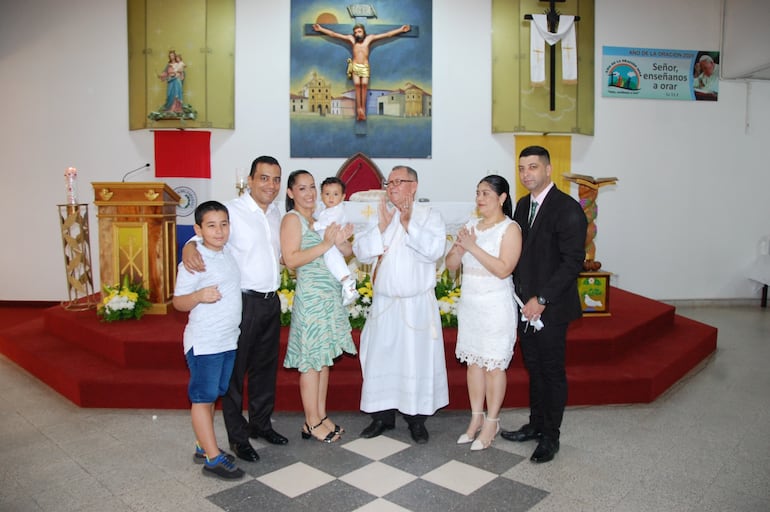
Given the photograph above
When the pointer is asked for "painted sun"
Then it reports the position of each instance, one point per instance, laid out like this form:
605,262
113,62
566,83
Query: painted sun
326,18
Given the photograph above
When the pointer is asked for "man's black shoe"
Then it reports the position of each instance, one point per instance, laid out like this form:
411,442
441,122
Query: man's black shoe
375,428
245,451
271,436
545,451
419,433
525,433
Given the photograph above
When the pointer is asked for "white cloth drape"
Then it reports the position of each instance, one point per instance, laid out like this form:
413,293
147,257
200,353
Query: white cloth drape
539,35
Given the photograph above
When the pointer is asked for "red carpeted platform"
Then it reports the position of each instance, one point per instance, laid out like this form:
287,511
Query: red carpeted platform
632,356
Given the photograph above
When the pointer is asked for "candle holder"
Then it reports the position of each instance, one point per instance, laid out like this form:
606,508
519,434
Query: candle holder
241,183
76,244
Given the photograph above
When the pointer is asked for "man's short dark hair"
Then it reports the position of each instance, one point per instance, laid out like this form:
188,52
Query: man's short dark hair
262,160
536,151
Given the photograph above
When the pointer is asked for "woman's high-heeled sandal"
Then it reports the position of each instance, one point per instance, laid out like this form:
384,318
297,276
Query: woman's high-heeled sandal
337,428
331,437
465,438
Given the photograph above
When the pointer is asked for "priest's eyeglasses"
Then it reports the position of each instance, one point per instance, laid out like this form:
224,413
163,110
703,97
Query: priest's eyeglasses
395,183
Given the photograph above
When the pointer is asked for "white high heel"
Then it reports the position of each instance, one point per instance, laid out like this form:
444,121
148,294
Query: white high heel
482,444
465,438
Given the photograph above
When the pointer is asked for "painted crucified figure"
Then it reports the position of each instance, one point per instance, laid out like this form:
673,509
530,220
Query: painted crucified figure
358,65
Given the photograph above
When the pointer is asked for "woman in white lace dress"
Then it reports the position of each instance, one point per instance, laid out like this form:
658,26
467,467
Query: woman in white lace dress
488,249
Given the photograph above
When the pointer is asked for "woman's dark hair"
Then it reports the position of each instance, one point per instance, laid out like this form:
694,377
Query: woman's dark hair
289,184
500,185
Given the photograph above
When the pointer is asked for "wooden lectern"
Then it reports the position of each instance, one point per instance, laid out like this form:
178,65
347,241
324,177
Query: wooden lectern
137,237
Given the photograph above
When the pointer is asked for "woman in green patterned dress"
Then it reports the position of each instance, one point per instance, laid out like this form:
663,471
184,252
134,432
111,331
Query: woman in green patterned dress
320,329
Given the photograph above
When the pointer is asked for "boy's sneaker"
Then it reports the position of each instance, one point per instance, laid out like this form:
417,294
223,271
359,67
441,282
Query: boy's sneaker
349,292
200,455
222,467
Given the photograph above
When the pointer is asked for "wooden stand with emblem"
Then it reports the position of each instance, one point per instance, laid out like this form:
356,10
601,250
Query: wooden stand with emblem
137,237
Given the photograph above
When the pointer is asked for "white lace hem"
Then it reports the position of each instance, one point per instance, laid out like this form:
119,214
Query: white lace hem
488,363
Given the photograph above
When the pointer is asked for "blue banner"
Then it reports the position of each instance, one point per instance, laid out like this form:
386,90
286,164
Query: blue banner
659,74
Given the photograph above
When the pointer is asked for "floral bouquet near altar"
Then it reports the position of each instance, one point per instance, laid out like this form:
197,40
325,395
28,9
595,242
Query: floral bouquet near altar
448,295
125,302
286,295
359,310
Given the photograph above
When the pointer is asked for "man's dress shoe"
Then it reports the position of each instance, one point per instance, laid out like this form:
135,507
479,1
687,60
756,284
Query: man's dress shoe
245,451
271,436
525,433
419,433
375,428
545,451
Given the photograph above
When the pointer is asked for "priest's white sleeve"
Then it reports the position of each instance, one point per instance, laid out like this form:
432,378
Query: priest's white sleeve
427,234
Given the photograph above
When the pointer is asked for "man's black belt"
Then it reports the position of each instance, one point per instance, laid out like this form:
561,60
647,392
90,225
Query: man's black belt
261,295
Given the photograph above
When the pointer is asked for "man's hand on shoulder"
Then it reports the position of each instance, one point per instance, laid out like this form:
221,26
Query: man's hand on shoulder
192,259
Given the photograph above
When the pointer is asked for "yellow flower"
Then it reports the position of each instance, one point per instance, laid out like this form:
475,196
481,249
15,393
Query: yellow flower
132,296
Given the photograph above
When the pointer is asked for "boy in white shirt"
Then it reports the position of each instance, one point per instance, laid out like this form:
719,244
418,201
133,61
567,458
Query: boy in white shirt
213,298
332,195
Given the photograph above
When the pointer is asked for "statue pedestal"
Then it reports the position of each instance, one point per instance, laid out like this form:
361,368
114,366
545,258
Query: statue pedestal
594,292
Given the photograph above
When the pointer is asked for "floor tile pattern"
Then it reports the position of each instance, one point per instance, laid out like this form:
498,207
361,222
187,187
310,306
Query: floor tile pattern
389,472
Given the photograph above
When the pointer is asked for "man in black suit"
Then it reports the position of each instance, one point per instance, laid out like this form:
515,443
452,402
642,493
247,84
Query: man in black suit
553,249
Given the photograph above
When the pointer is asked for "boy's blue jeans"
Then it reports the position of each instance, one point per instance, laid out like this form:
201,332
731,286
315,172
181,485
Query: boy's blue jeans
209,375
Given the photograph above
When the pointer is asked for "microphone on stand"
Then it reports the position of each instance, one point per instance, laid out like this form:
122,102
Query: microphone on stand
132,171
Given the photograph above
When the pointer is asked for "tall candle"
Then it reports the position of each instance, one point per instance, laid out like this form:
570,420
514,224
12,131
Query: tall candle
70,185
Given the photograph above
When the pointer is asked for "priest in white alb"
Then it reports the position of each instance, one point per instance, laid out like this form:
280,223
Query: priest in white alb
402,344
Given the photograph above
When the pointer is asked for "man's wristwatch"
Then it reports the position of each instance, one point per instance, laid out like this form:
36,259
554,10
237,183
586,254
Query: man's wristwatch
541,300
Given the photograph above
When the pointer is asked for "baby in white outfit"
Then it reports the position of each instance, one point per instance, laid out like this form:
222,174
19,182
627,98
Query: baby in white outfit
332,195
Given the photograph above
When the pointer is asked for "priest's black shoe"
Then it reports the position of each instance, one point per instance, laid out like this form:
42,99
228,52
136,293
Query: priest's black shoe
545,451
271,436
375,428
419,433
525,433
245,451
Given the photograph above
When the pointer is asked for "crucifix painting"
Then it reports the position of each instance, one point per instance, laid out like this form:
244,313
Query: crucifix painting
361,79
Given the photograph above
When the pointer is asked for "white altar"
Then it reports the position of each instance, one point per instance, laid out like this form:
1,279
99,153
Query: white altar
455,214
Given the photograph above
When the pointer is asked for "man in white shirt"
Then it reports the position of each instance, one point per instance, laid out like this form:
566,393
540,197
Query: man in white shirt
402,345
255,244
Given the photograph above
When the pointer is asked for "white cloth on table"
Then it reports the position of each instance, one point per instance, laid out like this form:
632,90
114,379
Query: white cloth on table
402,345
486,314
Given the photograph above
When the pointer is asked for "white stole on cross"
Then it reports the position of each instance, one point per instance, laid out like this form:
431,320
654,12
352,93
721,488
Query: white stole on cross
540,35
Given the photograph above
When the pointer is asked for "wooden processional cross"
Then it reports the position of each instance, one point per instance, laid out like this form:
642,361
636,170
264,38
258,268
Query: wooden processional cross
552,15
360,14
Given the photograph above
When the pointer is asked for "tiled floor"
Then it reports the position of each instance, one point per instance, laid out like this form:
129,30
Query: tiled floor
703,446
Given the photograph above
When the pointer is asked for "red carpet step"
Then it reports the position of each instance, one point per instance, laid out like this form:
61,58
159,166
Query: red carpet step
630,357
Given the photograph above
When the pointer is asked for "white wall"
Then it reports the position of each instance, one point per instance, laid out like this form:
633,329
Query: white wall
683,221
